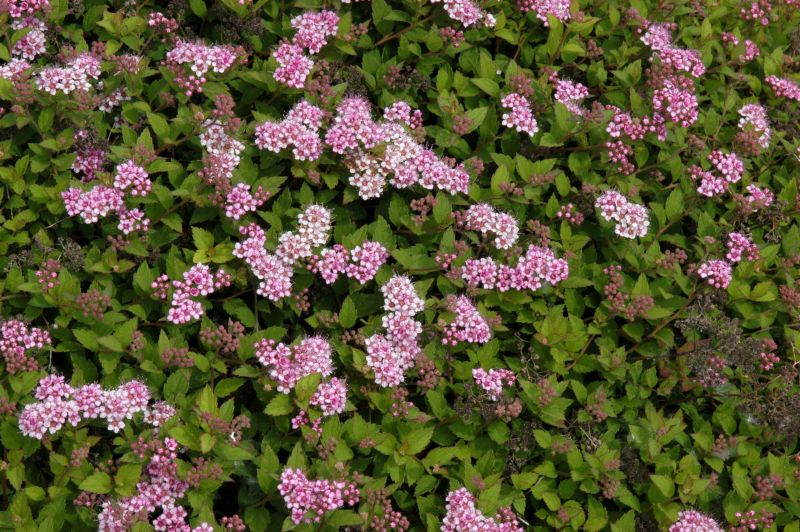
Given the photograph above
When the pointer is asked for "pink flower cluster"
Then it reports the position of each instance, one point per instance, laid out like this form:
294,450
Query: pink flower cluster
492,381
287,365
60,403
631,219
220,160
275,271
133,179
330,397
32,44
197,281
519,115
755,116
313,31
759,198
694,521
361,264
15,341
25,8
784,87
157,492
740,246
537,266
676,102
467,326
313,230
403,162
201,59
467,12
100,201
557,8
308,500
727,164
717,273
390,355
401,112
274,274
659,38
240,200
74,76
299,129
571,94
484,218
463,514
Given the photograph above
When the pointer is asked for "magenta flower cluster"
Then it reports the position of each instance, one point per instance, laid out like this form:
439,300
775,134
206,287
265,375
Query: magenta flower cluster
467,326
390,355
287,365
59,403
309,500
755,116
555,8
275,270
403,162
299,129
631,219
483,218
361,263
519,115
200,59
717,273
537,266
16,339
467,12
312,33
784,88
130,180
158,491
197,281
694,521
463,514
330,397
493,381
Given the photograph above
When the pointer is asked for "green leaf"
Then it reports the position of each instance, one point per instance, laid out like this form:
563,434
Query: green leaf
348,314
96,483
280,405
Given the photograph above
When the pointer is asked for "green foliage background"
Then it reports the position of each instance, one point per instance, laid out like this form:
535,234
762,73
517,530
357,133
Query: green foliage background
659,424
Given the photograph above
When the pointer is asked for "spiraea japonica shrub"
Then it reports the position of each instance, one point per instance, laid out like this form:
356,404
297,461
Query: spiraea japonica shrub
412,265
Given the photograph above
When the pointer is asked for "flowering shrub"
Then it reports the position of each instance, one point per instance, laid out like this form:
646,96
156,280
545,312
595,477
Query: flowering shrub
452,265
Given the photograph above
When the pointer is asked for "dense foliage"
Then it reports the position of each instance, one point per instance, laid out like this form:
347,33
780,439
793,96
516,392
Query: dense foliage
400,265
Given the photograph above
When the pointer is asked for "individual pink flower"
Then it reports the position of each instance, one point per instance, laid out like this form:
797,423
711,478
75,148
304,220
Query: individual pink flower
299,129
571,94
759,197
